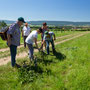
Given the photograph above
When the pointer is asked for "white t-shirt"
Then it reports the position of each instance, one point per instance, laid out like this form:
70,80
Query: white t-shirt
26,30
30,38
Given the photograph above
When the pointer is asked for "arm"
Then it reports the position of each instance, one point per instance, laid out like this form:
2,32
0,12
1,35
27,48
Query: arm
42,36
36,42
54,37
9,40
30,30
42,44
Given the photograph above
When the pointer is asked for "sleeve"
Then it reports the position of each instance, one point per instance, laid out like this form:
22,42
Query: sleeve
35,36
53,33
11,30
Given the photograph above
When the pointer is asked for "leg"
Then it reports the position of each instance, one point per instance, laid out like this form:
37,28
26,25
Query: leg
24,41
30,47
13,51
53,48
52,43
47,46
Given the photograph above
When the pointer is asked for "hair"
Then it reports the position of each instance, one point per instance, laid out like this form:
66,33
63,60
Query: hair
40,29
44,23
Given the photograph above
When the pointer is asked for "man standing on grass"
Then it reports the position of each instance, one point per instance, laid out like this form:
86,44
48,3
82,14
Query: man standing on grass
30,40
48,38
25,32
13,35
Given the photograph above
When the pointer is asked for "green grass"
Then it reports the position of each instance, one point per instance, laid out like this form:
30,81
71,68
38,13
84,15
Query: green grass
22,49
58,33
68,69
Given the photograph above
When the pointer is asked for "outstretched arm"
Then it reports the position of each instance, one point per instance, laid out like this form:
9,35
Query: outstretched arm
54,37
42,44
36,42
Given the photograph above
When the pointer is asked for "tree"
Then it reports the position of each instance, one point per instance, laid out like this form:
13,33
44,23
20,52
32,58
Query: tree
3,24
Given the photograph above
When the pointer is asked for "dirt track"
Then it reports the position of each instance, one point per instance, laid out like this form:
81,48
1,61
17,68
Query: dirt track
5,60
7,49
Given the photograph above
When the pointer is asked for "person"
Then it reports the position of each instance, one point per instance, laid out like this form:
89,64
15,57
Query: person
30,40
13,39
44,28
48,38
25,32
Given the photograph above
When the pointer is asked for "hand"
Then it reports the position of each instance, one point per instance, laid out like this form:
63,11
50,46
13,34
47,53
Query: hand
9,44
54,38
39,49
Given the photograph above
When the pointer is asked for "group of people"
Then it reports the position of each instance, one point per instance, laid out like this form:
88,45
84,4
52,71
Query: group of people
29,37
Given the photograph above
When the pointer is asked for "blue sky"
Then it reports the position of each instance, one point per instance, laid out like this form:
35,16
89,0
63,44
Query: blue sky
58,10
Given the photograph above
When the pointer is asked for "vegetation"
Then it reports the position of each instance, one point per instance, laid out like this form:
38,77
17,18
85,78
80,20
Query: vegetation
67,69
2,24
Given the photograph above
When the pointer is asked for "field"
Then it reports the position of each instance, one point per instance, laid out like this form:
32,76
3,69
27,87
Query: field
67,69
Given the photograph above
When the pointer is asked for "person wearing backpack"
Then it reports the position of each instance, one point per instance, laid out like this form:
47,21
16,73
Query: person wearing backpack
13,39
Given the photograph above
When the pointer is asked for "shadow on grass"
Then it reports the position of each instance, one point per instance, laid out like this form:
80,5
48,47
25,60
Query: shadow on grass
59,55
29,73
43,58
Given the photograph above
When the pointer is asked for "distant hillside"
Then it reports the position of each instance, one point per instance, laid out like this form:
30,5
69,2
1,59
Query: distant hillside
8,21
56,23
59,23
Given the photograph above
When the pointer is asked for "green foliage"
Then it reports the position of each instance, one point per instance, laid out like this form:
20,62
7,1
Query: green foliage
3,24
67,69
26,75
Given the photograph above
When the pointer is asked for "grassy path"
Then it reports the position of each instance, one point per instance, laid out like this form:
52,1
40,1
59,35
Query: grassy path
5,52
58,34
5,60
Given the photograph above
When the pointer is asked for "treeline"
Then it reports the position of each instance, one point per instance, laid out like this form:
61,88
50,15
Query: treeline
63,28
2,24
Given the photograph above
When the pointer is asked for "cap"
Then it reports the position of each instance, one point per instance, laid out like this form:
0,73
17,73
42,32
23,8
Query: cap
21,19
46,32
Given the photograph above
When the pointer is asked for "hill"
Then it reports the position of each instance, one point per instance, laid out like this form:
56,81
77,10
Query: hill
56,23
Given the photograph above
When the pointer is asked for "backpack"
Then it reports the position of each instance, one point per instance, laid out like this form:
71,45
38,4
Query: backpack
3,33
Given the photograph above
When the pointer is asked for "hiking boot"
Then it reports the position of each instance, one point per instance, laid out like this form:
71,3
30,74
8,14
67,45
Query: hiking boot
53,51
17,66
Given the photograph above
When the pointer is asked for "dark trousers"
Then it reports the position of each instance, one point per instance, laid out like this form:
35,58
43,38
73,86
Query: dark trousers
47,45
13,52
24,41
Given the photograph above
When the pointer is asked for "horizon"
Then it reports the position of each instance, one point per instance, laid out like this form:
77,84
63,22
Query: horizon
45,20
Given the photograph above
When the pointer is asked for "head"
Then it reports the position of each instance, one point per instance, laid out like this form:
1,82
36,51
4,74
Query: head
46,33
44,24
26,24
20,21
39,30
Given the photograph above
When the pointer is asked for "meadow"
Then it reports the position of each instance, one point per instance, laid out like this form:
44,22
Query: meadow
3,44
67,69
